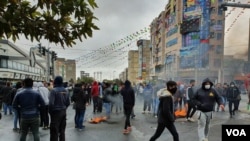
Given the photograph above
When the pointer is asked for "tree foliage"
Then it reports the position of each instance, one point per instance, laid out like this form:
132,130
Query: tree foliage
85,79
58,21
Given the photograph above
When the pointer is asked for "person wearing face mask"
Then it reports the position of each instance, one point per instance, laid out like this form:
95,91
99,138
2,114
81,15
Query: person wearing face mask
233,94
166,115
204,99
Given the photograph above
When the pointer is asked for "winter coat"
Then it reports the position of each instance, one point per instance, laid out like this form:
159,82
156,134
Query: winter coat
204,99
166,106
59,96
44,92
107,94
79,98
95,89
147,92
232,93
29,102
128,95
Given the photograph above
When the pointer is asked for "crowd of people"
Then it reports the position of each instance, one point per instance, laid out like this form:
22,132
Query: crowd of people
42,104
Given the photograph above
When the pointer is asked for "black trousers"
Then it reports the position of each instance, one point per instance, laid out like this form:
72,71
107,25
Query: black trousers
191,109
58,125
160,128
45,116
127,112
230,106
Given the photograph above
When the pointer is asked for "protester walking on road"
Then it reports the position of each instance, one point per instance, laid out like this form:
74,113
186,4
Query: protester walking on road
147,97
128,95
191,106
58,104
166,116
107,94
232,96
28,102
204,99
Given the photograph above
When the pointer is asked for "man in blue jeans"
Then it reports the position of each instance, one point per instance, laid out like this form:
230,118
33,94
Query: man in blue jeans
29,102
80,99
107,94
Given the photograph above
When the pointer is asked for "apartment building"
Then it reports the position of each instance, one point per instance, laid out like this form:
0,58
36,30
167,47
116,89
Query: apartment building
65,68
133,65
194,40
144,51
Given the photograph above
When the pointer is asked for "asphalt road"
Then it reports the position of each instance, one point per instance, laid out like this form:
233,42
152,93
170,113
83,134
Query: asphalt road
143,127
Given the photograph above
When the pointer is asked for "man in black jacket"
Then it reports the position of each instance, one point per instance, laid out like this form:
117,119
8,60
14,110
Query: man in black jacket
166,111
128,95
204,98
58,104
80,99
232,94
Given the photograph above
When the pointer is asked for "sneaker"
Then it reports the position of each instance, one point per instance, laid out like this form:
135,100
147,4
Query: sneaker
191,119
133,116
16,129
80,129
125,131
45,128
205,139
143,112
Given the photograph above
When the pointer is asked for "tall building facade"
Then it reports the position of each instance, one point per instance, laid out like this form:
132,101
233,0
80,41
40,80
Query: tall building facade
157,56
194,40
66,68
133,65
144,59
202,30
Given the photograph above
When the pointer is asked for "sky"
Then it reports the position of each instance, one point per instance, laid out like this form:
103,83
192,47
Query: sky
117,19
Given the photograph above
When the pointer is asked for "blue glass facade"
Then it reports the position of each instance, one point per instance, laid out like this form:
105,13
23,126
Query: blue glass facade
195,44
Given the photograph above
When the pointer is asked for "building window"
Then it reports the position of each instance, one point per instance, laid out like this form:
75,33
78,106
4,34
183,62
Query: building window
217,63
218,49
219,36
212,22
211,34
4,63
219,22
70,68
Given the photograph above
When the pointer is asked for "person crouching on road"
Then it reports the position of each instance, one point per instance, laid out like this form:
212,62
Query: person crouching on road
166,116
204,98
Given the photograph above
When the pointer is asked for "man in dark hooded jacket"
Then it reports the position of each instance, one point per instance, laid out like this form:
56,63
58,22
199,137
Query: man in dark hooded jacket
166,116
232,94
204,99
58,104
128,95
